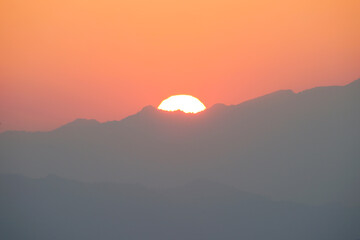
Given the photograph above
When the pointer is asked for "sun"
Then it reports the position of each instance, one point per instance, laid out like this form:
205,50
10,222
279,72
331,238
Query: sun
185,103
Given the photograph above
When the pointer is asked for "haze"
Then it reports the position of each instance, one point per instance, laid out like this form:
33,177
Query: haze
282,166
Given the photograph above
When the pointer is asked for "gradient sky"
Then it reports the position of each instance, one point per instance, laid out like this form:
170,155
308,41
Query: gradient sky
67,59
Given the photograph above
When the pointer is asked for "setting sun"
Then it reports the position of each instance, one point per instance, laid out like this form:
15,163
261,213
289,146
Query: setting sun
185,103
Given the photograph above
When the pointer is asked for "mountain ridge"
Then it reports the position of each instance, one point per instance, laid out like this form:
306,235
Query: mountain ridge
301,147
149,109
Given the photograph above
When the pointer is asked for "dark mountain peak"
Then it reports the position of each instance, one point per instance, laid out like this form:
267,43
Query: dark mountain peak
281,96
150,113
278,94
355,83
148,109
320,91
80,123
217,107
330,90
145,112
85,121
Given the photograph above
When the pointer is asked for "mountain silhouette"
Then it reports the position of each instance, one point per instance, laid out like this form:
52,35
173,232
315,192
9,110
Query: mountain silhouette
301,147
56,208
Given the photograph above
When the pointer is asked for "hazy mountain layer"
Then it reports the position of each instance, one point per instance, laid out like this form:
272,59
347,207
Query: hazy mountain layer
303,147
58,209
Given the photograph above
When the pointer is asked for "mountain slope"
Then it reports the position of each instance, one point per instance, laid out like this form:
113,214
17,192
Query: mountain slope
302,147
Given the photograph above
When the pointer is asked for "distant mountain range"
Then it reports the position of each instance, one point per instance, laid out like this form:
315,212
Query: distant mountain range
302,147
55,208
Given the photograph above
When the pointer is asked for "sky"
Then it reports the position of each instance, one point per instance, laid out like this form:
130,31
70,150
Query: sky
67,59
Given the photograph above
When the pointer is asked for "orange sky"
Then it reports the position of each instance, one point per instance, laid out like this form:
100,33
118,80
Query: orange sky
67,59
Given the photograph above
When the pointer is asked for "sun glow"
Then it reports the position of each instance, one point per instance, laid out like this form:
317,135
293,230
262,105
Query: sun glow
185,103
